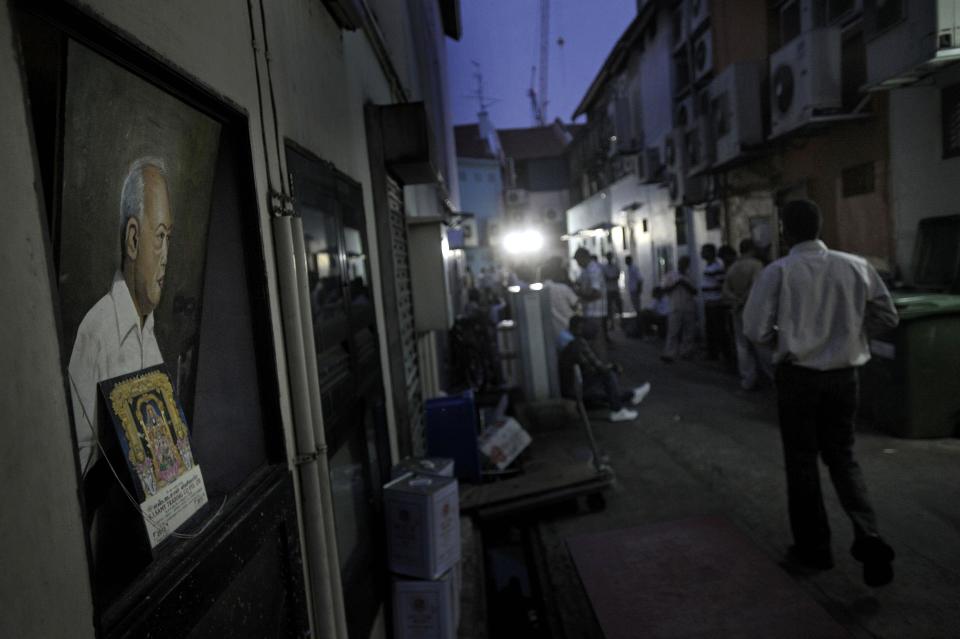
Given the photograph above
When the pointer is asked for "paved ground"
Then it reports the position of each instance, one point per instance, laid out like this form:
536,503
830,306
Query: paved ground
703,446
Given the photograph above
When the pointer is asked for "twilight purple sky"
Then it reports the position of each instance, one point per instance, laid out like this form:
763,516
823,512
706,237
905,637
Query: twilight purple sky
503,36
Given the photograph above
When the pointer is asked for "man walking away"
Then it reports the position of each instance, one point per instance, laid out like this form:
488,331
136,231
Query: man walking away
611,277
817,307
736,288
682,323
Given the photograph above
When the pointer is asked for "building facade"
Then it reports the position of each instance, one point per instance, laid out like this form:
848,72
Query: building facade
702,120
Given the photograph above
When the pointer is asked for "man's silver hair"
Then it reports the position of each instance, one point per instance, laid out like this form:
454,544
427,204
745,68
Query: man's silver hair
131,195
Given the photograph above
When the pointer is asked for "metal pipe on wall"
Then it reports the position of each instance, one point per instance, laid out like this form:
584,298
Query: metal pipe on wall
315,524
316,412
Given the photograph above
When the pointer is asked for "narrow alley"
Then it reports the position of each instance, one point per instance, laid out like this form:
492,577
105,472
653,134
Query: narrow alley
702,446
453,319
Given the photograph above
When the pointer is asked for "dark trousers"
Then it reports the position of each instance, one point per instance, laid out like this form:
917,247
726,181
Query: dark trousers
604,389
817,410
614,306
715,327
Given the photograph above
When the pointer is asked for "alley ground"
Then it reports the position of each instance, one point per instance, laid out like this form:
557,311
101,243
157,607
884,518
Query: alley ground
703,446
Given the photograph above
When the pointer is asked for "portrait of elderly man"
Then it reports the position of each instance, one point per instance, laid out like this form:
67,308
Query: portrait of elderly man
116,336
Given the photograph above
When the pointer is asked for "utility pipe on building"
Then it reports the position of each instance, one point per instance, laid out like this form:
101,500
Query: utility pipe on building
324,613
316,414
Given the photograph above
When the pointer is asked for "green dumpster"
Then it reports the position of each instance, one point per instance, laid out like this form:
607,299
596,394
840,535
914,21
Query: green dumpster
911,386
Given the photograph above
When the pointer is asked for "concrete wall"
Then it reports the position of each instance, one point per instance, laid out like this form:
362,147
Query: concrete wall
481,187
817,164
654,78
44,584
922,183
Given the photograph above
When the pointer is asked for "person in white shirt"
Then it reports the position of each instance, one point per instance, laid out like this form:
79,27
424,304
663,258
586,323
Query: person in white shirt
590,287
736,288
714,310
634,283
564,302
116,336
816,307
682,322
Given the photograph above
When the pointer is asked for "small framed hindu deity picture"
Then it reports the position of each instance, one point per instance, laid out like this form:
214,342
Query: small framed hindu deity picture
155,443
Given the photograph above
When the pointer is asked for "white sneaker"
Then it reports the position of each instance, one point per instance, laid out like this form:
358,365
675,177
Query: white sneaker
639,393
623,415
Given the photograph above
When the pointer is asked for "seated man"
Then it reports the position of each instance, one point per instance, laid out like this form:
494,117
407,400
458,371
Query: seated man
600,382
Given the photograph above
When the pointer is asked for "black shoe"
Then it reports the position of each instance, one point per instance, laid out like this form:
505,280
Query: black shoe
666,359
877,559
801,560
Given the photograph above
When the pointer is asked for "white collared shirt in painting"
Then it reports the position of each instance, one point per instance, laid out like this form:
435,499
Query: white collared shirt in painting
110,342
817,307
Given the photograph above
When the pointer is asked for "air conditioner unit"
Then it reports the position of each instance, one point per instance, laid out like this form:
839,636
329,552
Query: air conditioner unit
674,183
840,12
683,113
698,146
735,110
908,40
516,197
671,151
805,80
702,55
699,12
682,187
687,190
470,229
631,164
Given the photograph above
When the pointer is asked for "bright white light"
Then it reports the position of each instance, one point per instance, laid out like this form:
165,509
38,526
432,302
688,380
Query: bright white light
526,241
536,286
513,289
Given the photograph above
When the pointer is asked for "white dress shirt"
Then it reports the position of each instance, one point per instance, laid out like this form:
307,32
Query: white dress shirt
563,305
817,306
591,277
711,284
110,342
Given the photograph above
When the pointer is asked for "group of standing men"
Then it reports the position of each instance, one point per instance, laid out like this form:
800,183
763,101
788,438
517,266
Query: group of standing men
808,316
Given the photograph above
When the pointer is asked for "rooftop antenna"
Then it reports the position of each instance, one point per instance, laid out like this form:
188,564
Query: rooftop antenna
538,96
482,100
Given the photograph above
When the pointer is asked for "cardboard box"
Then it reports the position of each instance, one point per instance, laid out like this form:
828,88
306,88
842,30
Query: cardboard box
423,525
503,442
425,609
438,466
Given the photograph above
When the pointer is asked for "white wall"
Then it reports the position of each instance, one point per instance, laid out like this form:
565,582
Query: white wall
922,184
654,70
44,584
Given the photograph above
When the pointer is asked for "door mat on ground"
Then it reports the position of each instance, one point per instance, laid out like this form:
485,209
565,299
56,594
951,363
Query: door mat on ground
693,578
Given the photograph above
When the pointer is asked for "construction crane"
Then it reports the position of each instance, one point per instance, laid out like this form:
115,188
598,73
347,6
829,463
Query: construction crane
538,99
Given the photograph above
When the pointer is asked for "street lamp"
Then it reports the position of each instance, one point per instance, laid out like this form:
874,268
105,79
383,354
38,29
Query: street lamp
525,241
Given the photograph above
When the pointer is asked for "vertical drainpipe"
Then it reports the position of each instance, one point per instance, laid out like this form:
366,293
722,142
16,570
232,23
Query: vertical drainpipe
313,387
317,552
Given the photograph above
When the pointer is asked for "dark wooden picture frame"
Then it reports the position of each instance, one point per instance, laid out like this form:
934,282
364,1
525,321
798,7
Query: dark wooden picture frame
213,577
